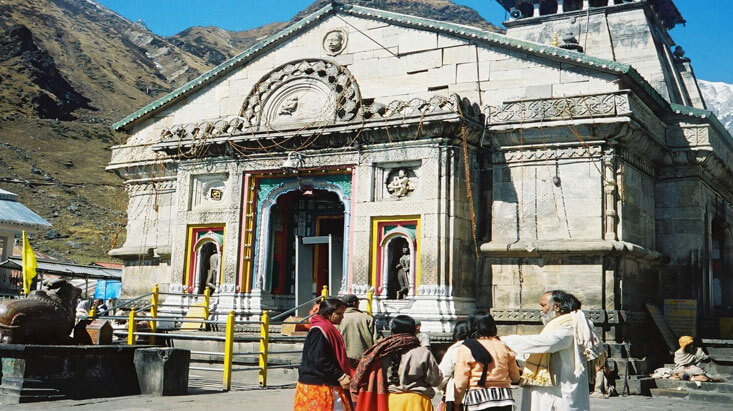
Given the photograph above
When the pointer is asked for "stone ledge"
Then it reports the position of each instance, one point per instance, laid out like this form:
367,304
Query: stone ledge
526,249
532,316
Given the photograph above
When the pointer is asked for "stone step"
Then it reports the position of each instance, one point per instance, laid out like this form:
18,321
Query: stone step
638,385
722,387
636,366
704,396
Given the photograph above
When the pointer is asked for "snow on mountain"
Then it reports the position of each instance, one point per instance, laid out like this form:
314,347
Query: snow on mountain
719,99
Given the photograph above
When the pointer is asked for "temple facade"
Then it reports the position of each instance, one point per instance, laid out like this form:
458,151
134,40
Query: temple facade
446,168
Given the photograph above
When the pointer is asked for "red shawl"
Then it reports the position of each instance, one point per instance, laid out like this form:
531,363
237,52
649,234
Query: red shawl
369,385
334,338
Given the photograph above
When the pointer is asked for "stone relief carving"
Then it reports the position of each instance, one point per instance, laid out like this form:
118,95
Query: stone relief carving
288,107
401,182
566,108
310,78
419,107
208,190
334,42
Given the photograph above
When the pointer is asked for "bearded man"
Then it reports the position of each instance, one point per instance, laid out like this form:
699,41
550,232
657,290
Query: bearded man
555,376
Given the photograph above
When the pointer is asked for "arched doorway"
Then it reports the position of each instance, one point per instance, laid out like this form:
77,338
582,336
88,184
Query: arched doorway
305,212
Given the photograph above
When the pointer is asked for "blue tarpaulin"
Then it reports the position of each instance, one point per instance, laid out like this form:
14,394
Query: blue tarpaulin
107,289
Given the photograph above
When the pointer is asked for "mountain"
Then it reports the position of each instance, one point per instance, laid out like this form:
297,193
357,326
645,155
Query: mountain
69,69
215,45
719,99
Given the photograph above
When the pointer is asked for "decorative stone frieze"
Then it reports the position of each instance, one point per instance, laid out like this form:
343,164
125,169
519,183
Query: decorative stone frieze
547,153
434,290
134,188
564,108
526,315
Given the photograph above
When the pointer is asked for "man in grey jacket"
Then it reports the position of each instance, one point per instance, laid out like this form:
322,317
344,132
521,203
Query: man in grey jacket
357,328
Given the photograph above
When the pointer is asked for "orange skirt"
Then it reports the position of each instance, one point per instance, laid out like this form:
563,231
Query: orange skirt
320,398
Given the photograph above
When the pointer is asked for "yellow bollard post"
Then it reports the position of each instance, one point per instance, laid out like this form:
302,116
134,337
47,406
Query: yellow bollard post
207,300
93,312
324,293
228,347
154,298
131,328
370,300
264,344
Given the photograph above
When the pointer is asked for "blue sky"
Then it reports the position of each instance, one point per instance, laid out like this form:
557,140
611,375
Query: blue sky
707,37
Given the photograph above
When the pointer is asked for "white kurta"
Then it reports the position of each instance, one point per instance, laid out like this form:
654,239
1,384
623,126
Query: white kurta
447,364
570,392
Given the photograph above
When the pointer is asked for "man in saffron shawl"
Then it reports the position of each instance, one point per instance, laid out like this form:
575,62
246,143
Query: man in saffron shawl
324,374
555,376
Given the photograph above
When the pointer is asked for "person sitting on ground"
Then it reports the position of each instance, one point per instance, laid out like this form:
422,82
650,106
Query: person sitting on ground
357,328
396,373
688,360
324,373
448,363
485,369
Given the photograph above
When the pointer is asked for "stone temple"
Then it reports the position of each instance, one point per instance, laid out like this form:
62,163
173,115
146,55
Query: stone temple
448,168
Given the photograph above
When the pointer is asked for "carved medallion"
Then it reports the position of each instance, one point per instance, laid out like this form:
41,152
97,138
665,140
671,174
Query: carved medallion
401,182
334,42
305,92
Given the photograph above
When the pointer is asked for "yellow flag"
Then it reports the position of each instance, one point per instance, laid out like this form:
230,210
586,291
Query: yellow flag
29,265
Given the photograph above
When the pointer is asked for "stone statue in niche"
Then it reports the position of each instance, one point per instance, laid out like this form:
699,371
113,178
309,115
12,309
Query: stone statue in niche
403,274
400,184
334,42
213,273
289,106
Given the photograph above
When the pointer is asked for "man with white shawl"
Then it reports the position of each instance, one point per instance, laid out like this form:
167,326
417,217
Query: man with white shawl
555,375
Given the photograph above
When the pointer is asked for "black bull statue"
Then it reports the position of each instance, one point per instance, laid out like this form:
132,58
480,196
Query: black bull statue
44,317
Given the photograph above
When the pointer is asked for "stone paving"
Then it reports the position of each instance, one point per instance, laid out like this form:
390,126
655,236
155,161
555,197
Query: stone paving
275,399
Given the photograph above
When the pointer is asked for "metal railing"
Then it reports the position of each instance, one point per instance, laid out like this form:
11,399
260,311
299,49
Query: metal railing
264,339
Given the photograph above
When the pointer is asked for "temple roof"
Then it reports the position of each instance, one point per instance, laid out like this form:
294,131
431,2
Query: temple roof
14,213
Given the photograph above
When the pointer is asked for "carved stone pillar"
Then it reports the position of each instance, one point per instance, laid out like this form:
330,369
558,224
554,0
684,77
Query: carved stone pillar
610,190
560,6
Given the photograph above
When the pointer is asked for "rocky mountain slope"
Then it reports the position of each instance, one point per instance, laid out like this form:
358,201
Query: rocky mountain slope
216,45
719,99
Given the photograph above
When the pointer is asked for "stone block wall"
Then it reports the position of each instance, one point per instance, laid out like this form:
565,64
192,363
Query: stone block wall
622,33
529,206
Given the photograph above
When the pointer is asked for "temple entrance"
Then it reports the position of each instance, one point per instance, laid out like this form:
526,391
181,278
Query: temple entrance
315,218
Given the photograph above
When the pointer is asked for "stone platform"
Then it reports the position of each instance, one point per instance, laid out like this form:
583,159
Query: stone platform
33,373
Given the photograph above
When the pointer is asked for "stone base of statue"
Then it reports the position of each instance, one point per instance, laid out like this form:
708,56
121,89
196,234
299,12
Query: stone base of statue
32,373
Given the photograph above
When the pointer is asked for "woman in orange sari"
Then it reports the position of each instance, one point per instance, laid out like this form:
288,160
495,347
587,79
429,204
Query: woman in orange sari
324,374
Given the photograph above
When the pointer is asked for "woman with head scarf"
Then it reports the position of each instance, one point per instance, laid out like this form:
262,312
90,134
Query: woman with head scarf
324,373
396,373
